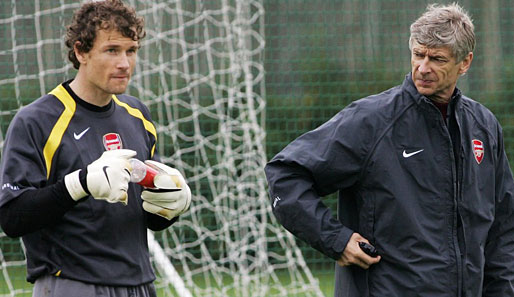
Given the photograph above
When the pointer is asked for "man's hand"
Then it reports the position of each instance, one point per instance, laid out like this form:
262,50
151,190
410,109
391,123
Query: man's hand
172,195
107,178
353,254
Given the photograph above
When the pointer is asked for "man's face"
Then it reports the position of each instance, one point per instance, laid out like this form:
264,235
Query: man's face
109,64
435,71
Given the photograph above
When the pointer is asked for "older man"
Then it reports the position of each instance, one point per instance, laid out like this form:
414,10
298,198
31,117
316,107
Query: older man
422,177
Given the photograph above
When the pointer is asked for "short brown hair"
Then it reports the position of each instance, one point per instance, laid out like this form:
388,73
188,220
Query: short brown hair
101,15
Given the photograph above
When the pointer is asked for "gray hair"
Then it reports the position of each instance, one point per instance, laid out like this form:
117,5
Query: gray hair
444,26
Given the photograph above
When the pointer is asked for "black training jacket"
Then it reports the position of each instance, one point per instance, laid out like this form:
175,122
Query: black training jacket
435,197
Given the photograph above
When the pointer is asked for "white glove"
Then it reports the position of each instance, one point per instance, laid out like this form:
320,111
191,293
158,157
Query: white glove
171,196
107,178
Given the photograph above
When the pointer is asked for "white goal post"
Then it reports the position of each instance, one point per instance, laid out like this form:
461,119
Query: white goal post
201,73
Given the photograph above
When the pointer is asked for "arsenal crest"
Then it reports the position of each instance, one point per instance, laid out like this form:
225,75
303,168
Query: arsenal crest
112,141
478,150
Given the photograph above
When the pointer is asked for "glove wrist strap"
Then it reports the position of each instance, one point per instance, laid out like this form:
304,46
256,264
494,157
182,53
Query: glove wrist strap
74,186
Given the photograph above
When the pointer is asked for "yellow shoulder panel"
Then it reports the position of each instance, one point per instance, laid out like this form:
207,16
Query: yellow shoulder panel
60,127
137,113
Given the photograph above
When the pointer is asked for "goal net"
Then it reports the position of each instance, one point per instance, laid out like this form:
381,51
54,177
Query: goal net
200,72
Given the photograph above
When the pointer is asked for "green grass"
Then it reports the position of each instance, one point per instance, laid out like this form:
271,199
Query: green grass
16,278
209,285
326,282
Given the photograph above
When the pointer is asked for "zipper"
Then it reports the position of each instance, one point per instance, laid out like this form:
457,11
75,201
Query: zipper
455,237
455,210
458,194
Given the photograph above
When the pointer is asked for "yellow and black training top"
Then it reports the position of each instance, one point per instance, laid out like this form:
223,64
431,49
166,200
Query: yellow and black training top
95,241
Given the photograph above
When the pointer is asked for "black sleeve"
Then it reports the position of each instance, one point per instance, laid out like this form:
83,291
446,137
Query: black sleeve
158,223
35,209
318,163
499,248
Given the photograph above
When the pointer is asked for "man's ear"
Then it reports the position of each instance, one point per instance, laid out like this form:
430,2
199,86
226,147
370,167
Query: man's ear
81,56
466,63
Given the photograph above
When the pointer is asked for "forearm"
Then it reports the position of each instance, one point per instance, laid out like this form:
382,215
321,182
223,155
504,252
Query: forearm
499,262
299,208
35,209
499,248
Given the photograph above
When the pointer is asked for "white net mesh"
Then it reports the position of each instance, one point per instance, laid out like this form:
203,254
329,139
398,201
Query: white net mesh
201,74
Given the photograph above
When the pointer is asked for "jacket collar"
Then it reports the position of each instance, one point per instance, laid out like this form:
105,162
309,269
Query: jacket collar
409,87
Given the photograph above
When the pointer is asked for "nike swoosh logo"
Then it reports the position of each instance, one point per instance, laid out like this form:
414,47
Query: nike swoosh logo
106,175
408,155
79,136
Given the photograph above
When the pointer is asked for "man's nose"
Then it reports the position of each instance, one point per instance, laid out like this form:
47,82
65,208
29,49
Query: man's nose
424,66
123,61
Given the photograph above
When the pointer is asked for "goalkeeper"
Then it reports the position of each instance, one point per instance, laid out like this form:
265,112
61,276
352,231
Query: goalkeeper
65,169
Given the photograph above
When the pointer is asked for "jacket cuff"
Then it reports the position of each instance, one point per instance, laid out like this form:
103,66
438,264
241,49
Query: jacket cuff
340,243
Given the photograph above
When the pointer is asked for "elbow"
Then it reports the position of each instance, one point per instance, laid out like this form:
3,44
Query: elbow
286,212
7,227
11,233
7,224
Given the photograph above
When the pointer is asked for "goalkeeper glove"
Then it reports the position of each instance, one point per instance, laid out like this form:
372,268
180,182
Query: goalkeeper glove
171,196
107,178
